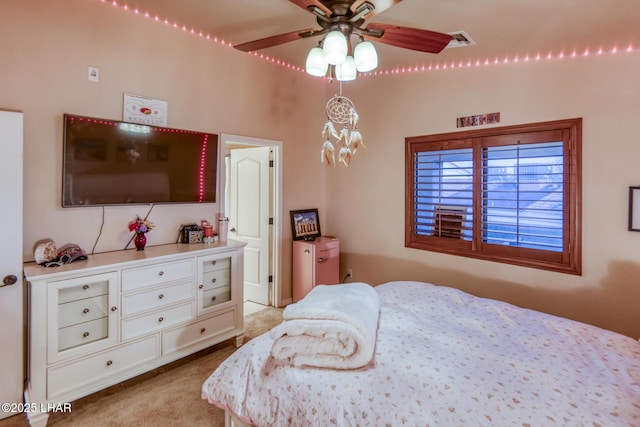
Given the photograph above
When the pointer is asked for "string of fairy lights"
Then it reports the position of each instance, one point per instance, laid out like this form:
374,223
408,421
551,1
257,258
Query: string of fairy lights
439,66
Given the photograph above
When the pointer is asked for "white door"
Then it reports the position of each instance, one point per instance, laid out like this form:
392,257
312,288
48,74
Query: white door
11,324
249,213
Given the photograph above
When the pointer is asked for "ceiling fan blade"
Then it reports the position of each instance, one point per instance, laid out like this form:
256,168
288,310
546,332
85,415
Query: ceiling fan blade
380,6
272,41
410,38
306,4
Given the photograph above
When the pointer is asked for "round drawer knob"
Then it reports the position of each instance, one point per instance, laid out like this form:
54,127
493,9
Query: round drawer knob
161,273
213,298
114,308
213,262
160,296
86,334
202,330
214,280
160,319
109,362
85,287
200,286
85,311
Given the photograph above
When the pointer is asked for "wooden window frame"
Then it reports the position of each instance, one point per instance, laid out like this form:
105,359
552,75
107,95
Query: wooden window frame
569,259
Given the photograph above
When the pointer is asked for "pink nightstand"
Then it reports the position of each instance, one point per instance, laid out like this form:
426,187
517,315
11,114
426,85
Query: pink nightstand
315,263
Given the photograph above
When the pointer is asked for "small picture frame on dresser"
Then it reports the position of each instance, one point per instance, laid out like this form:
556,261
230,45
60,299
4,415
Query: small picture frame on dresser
195,236
305,224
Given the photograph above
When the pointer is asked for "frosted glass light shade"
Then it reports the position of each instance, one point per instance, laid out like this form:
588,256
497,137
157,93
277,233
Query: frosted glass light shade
347,70
335,47
316,64
365,56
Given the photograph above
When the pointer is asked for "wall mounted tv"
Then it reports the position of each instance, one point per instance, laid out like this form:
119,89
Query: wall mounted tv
108,162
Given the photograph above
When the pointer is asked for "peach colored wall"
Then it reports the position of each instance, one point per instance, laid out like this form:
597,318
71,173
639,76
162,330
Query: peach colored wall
366,201
45,53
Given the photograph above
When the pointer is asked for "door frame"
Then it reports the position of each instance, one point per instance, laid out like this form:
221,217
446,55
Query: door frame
12,301
276,202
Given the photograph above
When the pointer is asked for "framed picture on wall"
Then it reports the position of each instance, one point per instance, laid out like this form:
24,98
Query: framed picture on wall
634,208
305,224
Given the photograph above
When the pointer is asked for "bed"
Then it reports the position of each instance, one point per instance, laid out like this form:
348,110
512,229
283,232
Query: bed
444,357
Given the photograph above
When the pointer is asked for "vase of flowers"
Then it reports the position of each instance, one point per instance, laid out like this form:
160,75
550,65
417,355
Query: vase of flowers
140,226
140,240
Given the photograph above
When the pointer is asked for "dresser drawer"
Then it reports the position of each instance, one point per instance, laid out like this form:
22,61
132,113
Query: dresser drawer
90,370
83,333
216,264
179,338
216,296
87,290
157,274
216,279
327,250
82,315
136,326
156,298
82,310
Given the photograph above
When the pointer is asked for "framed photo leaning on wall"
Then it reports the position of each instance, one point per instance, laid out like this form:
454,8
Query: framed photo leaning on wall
305,224
634,208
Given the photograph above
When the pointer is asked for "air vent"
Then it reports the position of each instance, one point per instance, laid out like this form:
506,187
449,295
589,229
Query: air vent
461,39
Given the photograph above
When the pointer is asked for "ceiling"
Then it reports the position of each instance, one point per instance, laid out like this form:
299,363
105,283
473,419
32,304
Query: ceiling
502,29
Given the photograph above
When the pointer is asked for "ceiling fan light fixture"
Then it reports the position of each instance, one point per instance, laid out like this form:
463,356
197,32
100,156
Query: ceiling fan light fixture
366,58
347,70
316,64
335,47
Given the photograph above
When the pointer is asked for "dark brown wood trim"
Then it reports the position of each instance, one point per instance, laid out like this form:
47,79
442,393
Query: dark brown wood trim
570,131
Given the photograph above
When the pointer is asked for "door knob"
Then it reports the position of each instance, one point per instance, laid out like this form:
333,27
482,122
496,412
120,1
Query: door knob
9,280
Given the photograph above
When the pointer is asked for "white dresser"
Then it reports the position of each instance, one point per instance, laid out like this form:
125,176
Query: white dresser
97,322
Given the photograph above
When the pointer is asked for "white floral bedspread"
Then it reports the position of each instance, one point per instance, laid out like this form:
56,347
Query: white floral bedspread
446,358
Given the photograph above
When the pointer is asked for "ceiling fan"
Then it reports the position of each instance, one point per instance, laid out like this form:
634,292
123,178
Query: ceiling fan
348,17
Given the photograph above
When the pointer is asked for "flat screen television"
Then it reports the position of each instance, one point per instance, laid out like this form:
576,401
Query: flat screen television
108,162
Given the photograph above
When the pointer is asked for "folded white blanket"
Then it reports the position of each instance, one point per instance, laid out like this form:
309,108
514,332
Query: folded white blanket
333,326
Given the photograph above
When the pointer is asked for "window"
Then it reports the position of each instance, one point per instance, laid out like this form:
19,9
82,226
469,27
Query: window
509,194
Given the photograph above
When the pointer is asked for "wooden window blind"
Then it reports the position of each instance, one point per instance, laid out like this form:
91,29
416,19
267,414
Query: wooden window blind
522,195
507,194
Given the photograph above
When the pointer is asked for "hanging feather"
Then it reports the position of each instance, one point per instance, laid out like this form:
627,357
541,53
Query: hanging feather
355,141
329,131
353,118
326,154
344,137
344,155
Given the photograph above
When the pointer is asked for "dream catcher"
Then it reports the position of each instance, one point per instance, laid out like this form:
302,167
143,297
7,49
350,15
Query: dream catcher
341,111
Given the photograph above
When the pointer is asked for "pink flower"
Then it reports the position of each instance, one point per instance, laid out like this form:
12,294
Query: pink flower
140,226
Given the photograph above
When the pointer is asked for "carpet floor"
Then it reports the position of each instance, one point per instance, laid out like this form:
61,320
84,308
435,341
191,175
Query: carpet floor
167,396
